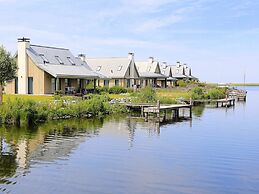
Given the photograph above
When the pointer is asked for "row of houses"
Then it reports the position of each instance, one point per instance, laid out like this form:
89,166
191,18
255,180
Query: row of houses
44,70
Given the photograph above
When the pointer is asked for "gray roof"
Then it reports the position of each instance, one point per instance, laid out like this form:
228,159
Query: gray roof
178,71
113,67
151,75
59,62
149,69
166,69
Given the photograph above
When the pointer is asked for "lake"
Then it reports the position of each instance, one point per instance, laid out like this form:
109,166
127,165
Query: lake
215,152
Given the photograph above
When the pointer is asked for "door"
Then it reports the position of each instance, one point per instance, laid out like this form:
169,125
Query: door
16,85
30,85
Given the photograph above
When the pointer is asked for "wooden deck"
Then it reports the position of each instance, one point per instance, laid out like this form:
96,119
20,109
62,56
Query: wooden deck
157,110
226,102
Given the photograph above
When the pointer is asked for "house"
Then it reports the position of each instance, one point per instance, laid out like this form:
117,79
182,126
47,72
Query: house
178,72
118,71
44,70
150,74
188,73
166,70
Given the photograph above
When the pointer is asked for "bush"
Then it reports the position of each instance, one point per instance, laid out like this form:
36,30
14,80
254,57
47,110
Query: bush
117,90
100,90
216,93
167,100
182,83
14,112
145,95
197,93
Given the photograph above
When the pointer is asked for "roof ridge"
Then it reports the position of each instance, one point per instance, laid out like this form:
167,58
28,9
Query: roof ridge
107,58
51,47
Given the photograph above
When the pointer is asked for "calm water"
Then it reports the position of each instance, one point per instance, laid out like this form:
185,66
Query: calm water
216,152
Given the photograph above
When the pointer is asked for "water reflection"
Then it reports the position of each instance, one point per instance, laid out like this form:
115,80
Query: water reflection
124,155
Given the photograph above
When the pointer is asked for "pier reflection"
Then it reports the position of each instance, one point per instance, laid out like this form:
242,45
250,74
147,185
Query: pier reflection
21,148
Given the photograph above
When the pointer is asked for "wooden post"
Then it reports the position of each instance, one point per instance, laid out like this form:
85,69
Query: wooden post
177,114
190,112
158,108
191,103
142,111
146,116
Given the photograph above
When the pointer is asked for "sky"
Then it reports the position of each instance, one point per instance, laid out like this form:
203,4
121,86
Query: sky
218,39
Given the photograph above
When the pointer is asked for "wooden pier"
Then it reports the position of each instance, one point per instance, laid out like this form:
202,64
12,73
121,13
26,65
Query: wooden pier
158,111
228,102
240,95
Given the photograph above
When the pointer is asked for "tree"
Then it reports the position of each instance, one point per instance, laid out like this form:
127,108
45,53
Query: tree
8,69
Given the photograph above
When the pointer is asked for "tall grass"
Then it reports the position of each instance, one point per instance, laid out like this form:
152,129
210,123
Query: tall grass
28,111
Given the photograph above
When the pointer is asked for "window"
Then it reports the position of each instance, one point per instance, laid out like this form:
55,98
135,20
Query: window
119,68
53,85
59,60
149,68
98,68
45,60
30,85
177,71
163,72
70,60
117,82
106,83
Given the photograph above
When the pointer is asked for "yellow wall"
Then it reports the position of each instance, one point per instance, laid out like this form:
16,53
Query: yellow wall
38,77
47,83
10,87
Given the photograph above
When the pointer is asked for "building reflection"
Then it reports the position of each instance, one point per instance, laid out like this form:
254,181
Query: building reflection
22,147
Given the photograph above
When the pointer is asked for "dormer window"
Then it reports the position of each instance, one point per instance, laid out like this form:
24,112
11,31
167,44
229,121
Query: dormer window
177,71
119,68
45,60
149,68
70,60
59,60
98,68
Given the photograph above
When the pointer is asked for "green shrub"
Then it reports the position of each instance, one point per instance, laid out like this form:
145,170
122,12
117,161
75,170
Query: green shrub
200,84
181,83
145,95
117,90
167,100
216,93
100,90
197,93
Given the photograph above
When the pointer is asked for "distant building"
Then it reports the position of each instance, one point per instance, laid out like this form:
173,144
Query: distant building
118,71
44,70
166,70
150,74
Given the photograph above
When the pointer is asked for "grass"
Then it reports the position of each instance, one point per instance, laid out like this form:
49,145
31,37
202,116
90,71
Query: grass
36,98
173,93
242,84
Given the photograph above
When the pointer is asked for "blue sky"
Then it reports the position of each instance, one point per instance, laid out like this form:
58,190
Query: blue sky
218,39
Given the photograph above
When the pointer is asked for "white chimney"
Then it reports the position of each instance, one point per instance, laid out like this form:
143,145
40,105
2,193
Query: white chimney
131,56
185,66
151,59
22,62
178,64
164,65
82,57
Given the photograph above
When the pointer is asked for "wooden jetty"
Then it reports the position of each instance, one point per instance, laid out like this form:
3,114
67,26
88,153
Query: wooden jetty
162,110
240,95
226,102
